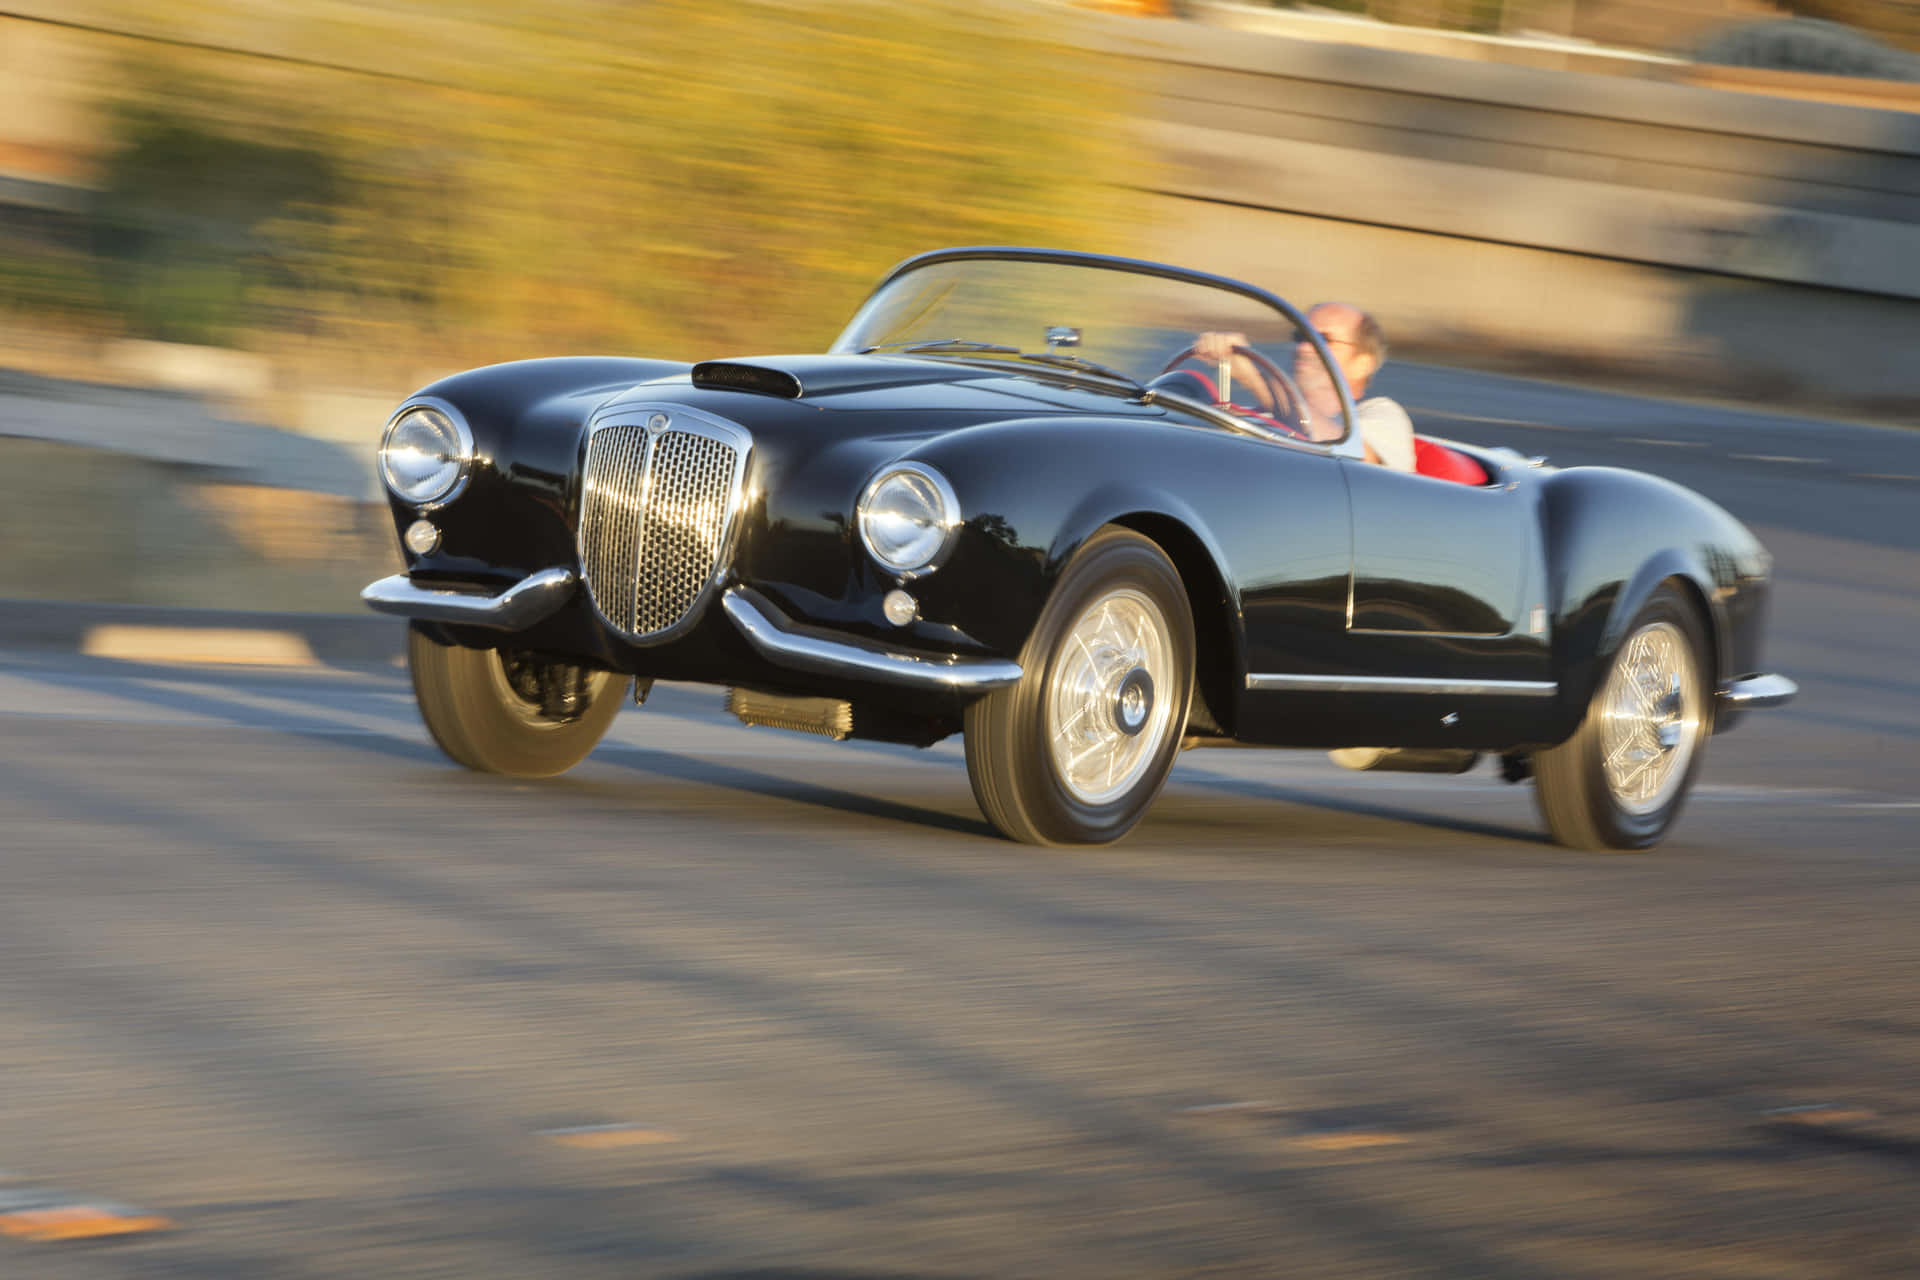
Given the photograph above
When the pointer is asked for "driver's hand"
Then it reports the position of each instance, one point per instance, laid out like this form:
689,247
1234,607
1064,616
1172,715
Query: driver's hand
1218,346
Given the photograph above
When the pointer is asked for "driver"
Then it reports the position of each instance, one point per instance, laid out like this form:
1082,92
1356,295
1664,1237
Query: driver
1360,348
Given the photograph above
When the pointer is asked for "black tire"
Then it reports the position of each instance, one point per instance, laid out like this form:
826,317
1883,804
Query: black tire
1020,785
487,719
1587,806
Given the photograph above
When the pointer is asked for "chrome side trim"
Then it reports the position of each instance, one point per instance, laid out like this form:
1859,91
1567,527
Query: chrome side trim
521,605
771,635
1757,691
1397,684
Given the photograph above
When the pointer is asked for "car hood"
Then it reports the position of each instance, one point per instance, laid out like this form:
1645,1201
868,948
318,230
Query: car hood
882,383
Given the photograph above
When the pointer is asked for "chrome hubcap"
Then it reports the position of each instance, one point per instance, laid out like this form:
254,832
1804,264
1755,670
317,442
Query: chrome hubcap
1105,721
1651,718
1133,703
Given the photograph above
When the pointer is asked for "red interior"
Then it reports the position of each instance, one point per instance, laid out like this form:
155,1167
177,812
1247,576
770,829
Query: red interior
1442,463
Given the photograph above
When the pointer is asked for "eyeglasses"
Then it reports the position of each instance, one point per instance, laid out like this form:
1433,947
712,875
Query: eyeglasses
1300,336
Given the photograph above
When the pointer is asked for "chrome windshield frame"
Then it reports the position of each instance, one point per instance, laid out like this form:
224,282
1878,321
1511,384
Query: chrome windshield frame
1110,262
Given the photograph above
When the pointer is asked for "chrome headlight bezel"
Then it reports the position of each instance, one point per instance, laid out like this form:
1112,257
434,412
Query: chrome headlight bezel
920,559
457,435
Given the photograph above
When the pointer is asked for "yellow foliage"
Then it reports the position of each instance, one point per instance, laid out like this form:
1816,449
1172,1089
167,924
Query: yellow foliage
673,177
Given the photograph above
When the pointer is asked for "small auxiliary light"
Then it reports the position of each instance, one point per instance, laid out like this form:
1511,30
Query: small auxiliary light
900,607
422,538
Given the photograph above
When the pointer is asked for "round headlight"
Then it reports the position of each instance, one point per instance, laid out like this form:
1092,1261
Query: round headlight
425,455
908,516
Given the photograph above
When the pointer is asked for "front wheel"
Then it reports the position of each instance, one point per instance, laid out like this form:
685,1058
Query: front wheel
1079,747
1619,781
510,711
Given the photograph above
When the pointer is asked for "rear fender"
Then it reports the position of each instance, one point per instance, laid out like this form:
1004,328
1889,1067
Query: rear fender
1613,537
1582,672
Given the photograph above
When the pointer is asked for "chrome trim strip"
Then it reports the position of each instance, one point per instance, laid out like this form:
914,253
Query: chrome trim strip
760,624
1398,684
1757,691
521,605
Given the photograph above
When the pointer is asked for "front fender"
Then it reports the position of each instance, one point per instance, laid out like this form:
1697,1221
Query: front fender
1024,525
514,517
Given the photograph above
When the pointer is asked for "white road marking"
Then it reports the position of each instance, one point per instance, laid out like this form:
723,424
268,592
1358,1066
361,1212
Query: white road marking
1773,457
199,646
1882,475
1481,417
1665,444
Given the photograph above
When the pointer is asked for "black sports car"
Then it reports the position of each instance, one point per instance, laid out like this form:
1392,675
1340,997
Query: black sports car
1010,502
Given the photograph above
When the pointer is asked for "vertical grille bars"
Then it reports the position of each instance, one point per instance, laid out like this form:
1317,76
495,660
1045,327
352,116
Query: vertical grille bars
655,514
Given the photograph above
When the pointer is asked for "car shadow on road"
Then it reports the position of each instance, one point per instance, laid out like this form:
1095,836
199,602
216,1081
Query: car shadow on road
1267,791
693,769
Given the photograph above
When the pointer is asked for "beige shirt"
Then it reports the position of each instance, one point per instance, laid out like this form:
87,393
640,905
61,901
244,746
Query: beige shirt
1383,424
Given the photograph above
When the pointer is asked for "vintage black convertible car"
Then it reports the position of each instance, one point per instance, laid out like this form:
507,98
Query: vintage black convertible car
1010,502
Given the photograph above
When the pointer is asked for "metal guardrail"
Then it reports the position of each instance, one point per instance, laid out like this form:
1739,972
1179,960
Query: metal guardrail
1629,169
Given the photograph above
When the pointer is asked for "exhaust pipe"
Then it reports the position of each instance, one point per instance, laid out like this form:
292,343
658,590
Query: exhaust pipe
828,717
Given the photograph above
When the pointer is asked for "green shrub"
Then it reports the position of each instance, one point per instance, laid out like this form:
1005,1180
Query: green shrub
185,211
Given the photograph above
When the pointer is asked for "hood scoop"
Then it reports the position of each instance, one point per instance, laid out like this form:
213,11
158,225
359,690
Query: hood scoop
731,375
797,377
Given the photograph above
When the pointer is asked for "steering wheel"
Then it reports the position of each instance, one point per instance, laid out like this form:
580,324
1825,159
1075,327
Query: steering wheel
1285,410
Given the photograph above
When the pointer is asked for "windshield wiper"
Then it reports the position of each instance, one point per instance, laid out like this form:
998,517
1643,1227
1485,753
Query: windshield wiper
965,346
919,346
1075,362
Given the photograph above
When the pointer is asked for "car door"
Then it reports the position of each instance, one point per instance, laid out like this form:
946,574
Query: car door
1449,580
1435,558
1443,635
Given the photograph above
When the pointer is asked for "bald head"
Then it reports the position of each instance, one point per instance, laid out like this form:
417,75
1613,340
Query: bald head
1354,338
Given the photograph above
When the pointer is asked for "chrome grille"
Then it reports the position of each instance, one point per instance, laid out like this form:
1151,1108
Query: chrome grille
655,513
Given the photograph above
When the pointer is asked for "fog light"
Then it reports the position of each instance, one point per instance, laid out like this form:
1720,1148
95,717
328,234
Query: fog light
422,538
900,608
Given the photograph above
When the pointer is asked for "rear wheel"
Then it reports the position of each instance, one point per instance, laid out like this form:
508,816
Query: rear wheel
1076,751
510,711
1620,780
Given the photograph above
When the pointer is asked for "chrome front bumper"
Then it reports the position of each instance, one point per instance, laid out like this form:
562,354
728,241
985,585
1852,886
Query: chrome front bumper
771,633
777,640
521,605
1749,692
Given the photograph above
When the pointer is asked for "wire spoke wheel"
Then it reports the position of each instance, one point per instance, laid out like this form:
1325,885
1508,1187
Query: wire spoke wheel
1619,781
1649,723
1104,722
1079,747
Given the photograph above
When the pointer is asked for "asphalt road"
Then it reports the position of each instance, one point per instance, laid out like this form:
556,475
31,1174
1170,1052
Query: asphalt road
726,1002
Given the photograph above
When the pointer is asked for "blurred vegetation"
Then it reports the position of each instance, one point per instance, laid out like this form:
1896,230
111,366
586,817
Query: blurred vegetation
420,184
1895,21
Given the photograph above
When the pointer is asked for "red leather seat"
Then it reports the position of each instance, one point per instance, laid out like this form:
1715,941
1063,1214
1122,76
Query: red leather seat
1442,463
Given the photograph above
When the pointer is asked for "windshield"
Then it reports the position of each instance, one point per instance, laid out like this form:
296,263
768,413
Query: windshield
1108,319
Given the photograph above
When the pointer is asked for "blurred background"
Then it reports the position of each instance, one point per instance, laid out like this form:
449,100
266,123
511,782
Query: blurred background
728,1004
232,235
